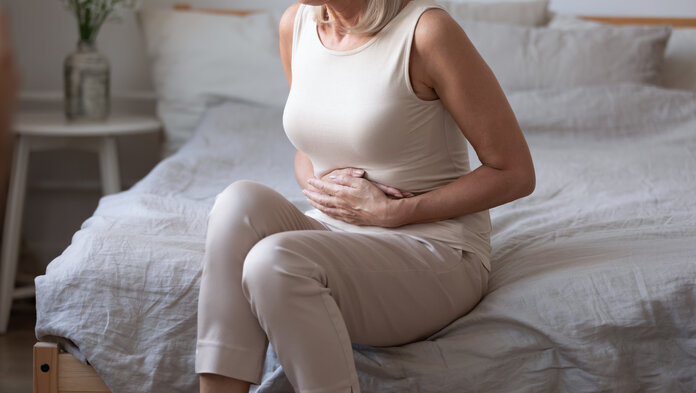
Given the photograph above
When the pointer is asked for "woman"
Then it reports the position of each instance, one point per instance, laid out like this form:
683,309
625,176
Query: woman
384,95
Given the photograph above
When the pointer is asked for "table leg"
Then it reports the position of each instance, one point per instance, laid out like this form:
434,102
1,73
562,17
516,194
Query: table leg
108,160
12,229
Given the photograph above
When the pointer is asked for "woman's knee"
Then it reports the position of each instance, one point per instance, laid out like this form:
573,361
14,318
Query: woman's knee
242,198
277,267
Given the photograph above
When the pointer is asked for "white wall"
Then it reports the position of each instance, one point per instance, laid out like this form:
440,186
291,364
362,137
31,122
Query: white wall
63,186
44,33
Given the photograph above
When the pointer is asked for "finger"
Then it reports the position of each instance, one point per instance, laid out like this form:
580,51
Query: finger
312,188
336,172
350,171
389,189
325,187
341,214
323,199
342,182
357,172
334,211
394,191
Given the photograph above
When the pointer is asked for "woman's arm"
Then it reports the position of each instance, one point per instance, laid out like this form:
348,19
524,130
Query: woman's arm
446,65
303,169
451,66
303,165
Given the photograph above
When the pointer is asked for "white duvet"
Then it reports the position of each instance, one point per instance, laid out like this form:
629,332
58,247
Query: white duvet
593,282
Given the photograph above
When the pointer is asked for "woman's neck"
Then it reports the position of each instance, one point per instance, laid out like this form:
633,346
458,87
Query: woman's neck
344,14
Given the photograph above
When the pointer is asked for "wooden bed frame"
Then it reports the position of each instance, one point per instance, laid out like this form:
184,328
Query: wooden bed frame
56,371
619,21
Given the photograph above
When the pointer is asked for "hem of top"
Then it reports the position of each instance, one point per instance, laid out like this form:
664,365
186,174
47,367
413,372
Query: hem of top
485,261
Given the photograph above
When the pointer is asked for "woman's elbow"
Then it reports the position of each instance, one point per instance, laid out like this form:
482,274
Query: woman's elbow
522,182
528,183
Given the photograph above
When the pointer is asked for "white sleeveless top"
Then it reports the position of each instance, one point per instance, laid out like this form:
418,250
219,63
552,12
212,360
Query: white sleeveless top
357,108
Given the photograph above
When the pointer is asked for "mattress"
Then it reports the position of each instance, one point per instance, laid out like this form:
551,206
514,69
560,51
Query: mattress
592,287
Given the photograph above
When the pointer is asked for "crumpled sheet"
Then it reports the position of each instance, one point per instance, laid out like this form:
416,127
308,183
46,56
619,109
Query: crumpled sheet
593,281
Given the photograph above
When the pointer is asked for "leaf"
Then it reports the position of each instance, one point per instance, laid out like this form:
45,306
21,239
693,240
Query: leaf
91,14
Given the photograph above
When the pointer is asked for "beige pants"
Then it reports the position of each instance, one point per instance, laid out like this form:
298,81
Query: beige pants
273,274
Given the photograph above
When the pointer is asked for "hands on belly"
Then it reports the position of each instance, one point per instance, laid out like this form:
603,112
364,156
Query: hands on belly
391,192
346,195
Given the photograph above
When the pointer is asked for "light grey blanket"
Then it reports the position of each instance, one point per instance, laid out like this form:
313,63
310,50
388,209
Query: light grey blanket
593,281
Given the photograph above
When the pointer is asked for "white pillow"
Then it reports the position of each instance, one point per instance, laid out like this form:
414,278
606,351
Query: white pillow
679,69
201,59
525,58
522,13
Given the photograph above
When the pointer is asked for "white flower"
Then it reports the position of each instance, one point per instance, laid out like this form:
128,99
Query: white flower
91,14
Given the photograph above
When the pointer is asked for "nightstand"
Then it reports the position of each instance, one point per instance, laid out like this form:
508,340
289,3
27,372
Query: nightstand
35,131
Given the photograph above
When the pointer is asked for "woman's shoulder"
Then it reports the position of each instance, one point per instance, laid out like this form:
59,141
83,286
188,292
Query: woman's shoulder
440,45
287,21
438,34
435,24
286,29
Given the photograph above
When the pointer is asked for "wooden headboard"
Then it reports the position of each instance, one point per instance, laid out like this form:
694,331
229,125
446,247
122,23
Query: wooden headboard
674,22
613,20
187,7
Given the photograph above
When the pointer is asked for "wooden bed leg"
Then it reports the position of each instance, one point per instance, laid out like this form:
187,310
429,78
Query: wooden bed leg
45,368
56,372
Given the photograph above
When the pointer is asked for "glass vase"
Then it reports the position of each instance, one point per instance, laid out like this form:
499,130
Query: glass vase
86,84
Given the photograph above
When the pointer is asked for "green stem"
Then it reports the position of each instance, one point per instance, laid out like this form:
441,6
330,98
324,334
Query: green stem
91,18
78,14
88,20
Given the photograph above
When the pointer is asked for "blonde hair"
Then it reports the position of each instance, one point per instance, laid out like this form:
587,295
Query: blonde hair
376,15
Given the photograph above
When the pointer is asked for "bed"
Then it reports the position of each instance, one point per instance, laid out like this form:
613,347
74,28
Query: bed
592,287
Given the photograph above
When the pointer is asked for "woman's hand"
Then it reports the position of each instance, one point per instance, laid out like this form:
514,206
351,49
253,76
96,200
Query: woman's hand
390,191
349,197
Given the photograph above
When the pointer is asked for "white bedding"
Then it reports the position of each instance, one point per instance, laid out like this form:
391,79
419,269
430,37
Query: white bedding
592,287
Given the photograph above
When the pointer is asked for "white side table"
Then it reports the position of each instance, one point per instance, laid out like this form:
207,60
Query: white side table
45,131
